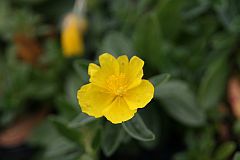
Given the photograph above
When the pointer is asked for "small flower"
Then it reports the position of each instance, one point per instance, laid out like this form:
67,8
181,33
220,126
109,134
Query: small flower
72,35
116,89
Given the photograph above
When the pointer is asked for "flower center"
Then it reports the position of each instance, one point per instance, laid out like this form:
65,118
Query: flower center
117,84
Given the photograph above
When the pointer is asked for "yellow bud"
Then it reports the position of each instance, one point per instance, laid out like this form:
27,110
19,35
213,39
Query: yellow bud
72,35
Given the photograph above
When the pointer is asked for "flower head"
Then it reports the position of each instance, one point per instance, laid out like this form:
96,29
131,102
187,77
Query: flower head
72,35
116,89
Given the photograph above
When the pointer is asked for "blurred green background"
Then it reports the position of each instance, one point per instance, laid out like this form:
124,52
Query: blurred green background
191,51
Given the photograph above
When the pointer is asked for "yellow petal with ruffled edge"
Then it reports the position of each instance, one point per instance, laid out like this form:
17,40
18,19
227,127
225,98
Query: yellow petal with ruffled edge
93,100
135,71
123,63
92,69
108,66
139,96
119,111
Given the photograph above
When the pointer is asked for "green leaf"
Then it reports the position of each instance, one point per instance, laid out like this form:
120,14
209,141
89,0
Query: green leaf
57,147
225,150
65,108
159,79
81,67
80,120
148,40
72,85
170,17
213,83
236,156
86,157
63,129
137,129
111,138
180,103
117,44
236,127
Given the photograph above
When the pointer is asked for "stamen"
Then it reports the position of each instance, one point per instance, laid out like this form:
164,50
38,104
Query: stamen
117,84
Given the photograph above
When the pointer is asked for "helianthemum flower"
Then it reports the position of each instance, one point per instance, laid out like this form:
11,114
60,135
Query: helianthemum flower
116,89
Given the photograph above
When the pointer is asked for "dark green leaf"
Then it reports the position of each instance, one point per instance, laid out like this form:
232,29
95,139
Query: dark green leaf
80,120
65,108
86,157
117,44
137,129
180,103
81,67
111,138
225,150
73,84
63,129
159,79
236,156
147,30
170,17
213,83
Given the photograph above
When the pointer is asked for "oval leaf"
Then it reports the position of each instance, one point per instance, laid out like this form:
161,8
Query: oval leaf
111,138
180,103
137,129
225,151
117,44
81,67
213,83
80,120
70,133
159,79
236,156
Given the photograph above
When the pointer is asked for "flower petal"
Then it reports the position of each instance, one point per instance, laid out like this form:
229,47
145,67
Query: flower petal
139,96
107,61
92,69
135,72
108,66
123,63
119,111
93,100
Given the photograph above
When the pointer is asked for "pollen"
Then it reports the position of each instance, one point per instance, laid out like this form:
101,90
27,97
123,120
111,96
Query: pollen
117,84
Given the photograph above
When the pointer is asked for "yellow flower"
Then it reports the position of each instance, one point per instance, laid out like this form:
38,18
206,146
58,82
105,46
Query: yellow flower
116,89
72,35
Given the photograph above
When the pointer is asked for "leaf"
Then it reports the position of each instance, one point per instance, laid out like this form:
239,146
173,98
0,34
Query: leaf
72,84
80,120
197,10
81,67
148,40
65,108
86,157
39,90
170,17
236,156
63,129
180,103
111,138
213,83
159,79
117,44
228,14
236,127
225,150
137,129
56,146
